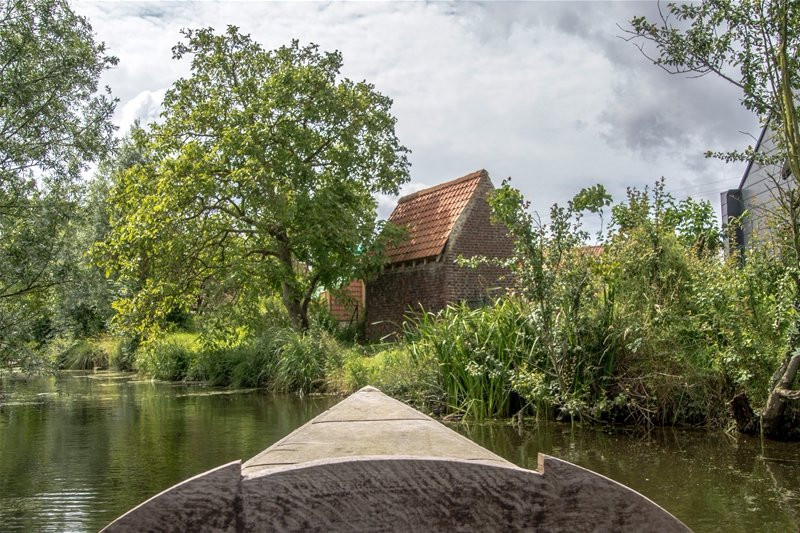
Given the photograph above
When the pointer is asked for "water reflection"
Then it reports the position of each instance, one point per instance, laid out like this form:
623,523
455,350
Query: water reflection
711,481
78,449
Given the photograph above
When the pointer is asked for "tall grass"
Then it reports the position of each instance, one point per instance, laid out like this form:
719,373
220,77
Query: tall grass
393,369
279,358
169,358
123,355
477,351
300,360
78,354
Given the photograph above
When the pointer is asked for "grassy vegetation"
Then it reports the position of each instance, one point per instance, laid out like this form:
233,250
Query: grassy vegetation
477,353
70,353
279,359
77,354
620,363
658,329
284,360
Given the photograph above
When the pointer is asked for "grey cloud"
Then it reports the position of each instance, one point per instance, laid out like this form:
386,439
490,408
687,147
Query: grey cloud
652,112
544,92
649,112
644,129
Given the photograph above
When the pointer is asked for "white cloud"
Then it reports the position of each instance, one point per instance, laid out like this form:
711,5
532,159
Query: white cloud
144,107
544,92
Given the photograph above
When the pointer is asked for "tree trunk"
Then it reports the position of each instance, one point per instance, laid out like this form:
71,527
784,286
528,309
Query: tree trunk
742,413
777,420
298,310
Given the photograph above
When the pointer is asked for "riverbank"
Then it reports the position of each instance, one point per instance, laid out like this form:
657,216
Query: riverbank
652,328
466,363
278,360
490,362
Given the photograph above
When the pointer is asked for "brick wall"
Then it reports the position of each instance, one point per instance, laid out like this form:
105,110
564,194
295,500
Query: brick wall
348,306
397,291
431,285
474,234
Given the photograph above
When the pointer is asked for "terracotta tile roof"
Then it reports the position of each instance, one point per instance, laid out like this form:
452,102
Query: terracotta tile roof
429,216
595,250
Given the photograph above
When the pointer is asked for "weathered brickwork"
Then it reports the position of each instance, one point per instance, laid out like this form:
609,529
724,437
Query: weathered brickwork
474,234
348,307
402,291
432,283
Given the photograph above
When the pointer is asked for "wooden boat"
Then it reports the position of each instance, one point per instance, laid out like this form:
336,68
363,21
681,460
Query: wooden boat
372,463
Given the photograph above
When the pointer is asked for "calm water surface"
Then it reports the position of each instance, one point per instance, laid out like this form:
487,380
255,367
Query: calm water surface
79,449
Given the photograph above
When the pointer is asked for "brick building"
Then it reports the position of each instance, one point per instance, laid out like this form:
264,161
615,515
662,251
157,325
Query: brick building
347,308
443,222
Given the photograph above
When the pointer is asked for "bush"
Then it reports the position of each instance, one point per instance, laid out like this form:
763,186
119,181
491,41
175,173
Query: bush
253,363
77,354
212,366
656,329
322,320
123,356
392,369
301,360
279,358
167,359
477,352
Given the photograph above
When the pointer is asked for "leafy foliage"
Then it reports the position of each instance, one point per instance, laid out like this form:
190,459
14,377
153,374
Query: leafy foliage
755,45
650,327
279,358
260,178
479,353
53,121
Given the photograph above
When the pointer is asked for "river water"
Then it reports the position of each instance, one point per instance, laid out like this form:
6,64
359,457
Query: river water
78,449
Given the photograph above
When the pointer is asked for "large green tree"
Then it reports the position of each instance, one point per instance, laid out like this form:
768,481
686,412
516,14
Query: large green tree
260,178
754,45
53,122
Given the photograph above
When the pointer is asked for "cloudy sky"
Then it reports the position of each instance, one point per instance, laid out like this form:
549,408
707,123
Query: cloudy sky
544,93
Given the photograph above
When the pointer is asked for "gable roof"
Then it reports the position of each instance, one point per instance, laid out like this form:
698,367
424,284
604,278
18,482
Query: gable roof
429,216
752,159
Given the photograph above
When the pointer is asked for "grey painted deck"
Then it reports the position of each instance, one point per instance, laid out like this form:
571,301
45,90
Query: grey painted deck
372,463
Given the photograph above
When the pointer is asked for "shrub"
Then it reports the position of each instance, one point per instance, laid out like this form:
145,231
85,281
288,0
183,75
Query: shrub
213,366
655,329
322,320
477,351
83,356
253,364
392,369
123,356
300,359
279,358
168,358
77,354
